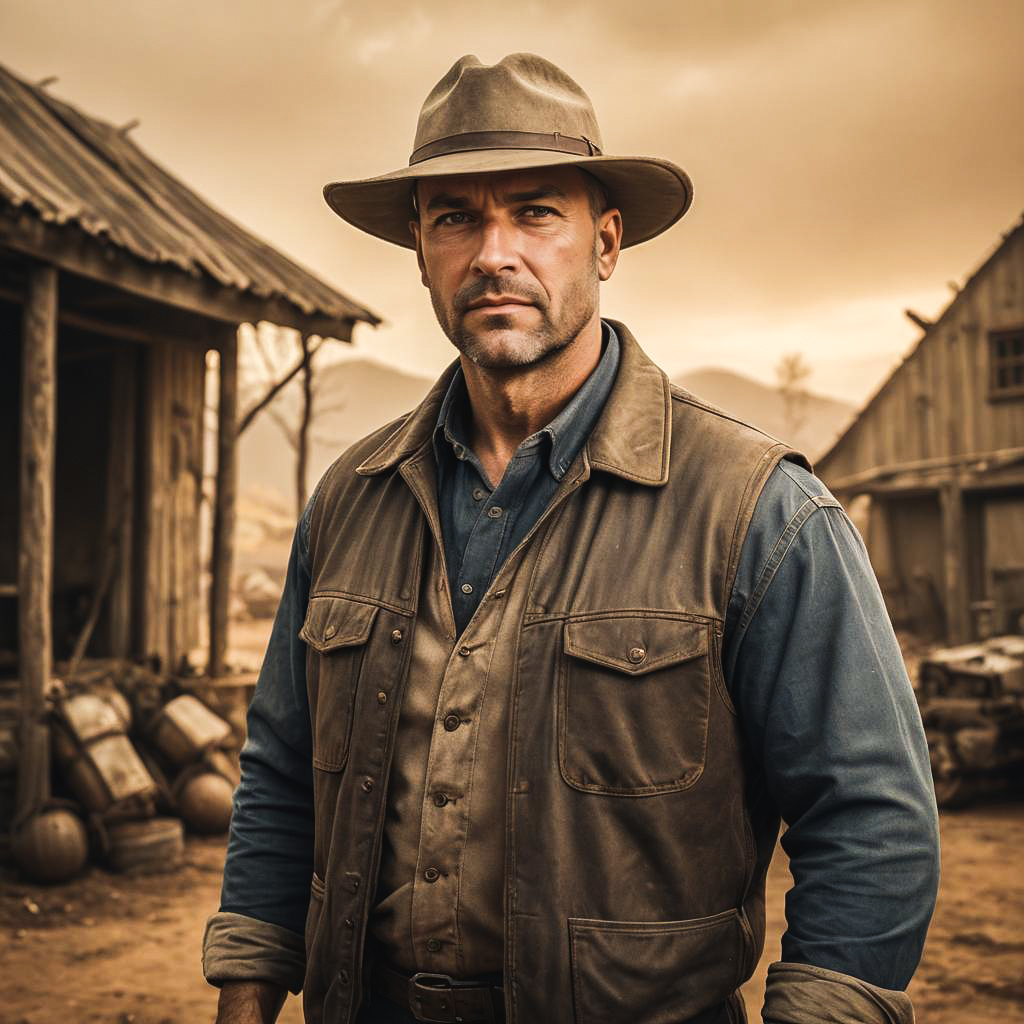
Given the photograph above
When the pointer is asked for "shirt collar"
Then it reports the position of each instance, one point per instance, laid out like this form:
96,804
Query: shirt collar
567,432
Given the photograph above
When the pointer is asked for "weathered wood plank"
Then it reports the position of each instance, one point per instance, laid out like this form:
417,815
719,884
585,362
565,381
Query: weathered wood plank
120,499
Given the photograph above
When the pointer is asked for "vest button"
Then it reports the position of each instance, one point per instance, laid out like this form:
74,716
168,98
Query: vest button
431,874
637,654
367,785
343,977
465,651
452,722
349,923
382,697
396,636
434,945
440,799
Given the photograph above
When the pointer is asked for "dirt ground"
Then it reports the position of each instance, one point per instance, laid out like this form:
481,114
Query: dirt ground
121,950
126,950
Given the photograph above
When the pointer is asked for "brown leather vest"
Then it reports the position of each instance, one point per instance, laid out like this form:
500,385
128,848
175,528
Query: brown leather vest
635,864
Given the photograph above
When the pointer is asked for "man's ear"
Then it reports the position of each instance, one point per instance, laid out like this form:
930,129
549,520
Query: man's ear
608,240
414,227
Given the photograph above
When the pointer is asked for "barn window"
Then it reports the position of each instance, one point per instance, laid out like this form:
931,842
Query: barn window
1007,355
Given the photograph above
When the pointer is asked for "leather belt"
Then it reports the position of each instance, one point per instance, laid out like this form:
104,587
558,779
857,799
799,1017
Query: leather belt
437,998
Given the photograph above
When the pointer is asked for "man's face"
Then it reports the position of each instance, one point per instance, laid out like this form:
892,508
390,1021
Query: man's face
513,261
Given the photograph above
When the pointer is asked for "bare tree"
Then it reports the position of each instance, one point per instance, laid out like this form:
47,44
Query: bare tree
791,373
269,366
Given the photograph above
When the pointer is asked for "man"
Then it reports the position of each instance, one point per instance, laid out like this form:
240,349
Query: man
557,650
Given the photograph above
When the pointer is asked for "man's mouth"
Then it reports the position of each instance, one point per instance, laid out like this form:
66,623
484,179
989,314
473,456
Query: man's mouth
499,304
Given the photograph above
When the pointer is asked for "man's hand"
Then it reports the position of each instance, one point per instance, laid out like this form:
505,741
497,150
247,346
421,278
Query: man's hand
249,1002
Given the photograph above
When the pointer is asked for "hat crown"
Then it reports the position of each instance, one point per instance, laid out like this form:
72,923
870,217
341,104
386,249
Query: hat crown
521,93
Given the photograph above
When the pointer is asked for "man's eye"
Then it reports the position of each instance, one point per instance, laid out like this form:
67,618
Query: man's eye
455,217
539,212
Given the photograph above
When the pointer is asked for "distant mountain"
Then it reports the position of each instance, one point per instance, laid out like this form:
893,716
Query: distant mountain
822,417
359,395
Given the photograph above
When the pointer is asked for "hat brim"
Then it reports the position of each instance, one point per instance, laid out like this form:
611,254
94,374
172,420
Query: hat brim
652,194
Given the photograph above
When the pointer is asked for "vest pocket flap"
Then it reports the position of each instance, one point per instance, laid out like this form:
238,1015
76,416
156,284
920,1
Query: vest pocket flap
636,644
654,972
335,622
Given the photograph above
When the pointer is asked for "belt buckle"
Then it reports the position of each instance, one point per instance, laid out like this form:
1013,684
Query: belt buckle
436,983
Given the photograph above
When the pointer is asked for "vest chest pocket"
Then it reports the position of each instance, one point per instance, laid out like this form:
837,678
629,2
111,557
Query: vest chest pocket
336,630
633,704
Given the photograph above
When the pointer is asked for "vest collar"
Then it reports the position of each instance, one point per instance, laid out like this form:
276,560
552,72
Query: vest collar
631,438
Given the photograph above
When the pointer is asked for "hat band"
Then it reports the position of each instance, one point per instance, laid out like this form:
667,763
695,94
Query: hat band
467,142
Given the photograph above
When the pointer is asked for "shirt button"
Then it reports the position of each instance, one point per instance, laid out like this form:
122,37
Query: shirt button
382,697
367,785
434,945
452,722
440,799
467,588
494,512
479,494
431,874
396,636
637,654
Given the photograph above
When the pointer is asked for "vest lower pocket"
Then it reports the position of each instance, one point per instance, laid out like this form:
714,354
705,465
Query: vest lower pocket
634,692
336,630
654,972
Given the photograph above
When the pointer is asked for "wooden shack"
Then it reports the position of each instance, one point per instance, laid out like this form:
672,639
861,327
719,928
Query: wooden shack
120,291
933,466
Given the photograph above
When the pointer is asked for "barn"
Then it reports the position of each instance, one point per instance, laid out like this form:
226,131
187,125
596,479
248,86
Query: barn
932,468
121,294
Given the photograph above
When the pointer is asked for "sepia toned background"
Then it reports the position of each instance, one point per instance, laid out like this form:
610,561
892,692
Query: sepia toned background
852,160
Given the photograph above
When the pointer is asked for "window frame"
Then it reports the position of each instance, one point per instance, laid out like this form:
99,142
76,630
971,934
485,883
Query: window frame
1001,392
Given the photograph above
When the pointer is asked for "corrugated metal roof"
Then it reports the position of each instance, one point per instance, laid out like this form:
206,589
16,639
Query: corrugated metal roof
69,168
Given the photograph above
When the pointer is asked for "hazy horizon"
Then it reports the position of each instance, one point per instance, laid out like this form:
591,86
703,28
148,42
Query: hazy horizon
849,159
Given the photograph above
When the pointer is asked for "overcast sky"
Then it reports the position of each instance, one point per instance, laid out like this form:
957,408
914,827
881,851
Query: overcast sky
849,157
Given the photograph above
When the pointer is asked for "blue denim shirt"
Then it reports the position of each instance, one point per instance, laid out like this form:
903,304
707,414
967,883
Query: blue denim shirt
811,662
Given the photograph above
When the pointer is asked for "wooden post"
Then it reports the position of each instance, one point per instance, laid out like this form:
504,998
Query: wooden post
955,562
302,435
224,504
35,541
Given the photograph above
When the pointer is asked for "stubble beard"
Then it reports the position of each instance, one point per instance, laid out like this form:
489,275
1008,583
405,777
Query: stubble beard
528,347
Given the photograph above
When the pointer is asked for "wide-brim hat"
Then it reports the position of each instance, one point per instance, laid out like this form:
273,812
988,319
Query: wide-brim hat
519,114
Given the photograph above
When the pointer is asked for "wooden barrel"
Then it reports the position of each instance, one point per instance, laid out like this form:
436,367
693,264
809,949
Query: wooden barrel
145,847
204,801
51,846
185,728
99,762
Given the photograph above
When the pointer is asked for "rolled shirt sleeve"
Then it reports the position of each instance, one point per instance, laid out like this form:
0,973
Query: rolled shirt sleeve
830,716
258,932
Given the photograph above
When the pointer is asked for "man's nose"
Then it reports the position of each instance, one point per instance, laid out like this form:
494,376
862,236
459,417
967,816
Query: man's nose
496,253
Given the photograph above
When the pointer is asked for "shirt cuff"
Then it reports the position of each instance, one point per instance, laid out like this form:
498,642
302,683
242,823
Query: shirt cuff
802,994
240,948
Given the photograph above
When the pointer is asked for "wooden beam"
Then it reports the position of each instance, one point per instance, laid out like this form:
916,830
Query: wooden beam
73,250
954,563
35,540
154,329
224,505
